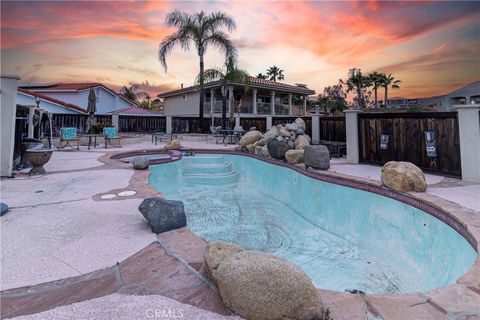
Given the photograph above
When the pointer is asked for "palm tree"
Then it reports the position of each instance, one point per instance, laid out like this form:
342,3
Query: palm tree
130,92
201,30
302,85
261,76
357,82
376,80
275,73
389,81
231,74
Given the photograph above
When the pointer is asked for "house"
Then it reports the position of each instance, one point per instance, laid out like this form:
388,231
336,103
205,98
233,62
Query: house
68,98
468,94
263,98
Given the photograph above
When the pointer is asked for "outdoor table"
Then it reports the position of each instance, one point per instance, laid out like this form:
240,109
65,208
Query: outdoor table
160,135
90,136
229,133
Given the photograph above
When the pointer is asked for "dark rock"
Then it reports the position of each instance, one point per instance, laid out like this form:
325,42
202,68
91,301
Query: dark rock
163,215
3,208
140,163
277,149
299,131
317,157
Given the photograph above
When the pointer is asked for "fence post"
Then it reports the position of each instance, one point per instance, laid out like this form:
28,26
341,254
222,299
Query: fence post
269,123
115,121
351,124
168,124
469,129
315,128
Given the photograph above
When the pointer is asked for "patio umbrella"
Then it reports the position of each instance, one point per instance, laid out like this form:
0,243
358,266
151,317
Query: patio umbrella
91,109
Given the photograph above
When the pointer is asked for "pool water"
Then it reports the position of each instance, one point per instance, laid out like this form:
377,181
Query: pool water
343,238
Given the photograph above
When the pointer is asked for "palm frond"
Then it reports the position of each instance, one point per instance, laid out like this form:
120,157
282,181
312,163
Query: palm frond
179,38
219,19
177,18
209,75
225,45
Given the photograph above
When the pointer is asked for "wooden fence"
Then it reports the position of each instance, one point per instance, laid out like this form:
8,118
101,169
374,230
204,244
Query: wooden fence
68,120
141,124
406,133
333,129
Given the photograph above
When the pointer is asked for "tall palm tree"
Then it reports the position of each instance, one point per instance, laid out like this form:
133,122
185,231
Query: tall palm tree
231,74
389,81
201,30
376,80
357,82
275,73
261,76
130,92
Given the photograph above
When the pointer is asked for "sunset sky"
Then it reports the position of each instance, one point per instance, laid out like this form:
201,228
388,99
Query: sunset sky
432,47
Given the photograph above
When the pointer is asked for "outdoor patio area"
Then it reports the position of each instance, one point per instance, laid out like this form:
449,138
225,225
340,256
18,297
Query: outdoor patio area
63,244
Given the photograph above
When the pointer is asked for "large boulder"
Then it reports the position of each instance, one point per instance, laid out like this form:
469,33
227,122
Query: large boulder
294,156
163,215
317,157
260,286
250,137
277,149
284,132
403,176
140,163
301,123
291,126
270,135
301,142
174,145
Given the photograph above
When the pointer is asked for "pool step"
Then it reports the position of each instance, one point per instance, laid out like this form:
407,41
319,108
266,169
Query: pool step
203,159
208,170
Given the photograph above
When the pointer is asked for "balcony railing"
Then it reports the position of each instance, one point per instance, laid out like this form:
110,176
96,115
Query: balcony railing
264,108
281,109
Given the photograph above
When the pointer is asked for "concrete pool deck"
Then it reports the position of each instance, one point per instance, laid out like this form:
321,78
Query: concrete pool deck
57,229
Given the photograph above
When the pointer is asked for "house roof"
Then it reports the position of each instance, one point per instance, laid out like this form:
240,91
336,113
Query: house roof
136,111
254,82
71,87
53,100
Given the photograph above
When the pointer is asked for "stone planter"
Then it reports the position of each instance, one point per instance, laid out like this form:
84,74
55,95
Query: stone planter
37,158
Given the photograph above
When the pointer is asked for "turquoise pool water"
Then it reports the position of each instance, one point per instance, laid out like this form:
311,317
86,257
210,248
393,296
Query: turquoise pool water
343,238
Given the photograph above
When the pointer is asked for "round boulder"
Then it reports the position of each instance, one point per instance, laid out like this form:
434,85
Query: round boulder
270,135
403,176
250,137
317,157
291,126
140,163
284,132
277,149
301,142
260,286
301,123
163,215
174,145
265,152
294,156
216,252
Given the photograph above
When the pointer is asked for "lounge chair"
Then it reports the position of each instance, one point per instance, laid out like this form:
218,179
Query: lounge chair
110,134
215,134
68,135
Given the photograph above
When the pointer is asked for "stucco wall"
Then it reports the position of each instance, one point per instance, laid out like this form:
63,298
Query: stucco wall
177,106
8,110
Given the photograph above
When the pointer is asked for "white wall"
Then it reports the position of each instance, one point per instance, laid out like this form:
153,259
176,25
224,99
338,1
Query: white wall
8,109
177,106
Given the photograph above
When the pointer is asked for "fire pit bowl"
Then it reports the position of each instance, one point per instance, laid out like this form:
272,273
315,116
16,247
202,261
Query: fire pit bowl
37,158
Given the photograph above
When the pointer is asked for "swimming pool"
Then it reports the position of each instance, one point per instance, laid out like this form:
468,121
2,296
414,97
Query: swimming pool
343,238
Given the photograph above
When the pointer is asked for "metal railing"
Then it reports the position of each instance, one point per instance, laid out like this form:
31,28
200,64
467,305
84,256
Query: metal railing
281,109
264,108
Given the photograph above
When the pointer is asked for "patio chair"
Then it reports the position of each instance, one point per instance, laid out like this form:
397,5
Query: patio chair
215,135
110,134
68,135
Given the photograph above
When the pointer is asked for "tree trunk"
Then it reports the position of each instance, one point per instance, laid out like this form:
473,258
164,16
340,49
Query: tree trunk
386,97
376,97
202,92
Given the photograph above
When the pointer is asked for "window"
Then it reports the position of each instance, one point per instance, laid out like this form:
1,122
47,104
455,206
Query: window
184,97
207,96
